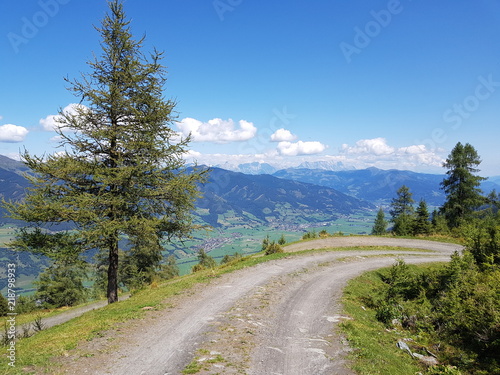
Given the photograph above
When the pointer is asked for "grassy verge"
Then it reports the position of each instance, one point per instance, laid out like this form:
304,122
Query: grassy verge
375,350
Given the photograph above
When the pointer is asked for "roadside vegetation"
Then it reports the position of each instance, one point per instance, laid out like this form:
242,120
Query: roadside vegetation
445,318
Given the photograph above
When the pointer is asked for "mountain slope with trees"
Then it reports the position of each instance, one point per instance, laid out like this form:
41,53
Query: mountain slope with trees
376,185
269,199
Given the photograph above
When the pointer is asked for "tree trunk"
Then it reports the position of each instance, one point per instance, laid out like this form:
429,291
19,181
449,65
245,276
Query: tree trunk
112,292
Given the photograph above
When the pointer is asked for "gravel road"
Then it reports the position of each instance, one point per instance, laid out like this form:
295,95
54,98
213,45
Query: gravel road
275,318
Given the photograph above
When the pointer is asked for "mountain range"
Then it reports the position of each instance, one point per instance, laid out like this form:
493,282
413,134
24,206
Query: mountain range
266,199
379,186
294,195
266,168
251,199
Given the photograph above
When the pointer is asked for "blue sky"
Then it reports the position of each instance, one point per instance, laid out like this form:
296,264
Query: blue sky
391,84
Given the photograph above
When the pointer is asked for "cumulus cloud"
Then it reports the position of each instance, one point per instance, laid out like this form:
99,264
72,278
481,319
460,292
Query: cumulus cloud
376,152
217,130
51,122
375,146
363,154
283,135
12,133
300,148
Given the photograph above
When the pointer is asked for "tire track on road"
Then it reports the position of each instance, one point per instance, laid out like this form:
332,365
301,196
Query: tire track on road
168,341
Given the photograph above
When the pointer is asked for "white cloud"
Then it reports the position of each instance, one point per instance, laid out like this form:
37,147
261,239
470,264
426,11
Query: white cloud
376,152
300,148
283,135
51,122
217,130
12,133
363,154
13,155
375,146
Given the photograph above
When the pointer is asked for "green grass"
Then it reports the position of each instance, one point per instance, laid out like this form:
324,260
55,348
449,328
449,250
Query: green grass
375,350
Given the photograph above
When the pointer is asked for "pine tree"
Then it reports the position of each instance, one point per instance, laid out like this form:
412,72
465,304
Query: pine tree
403,203
121,174
402,211
282,240
439,224
380,225
422,224
461,187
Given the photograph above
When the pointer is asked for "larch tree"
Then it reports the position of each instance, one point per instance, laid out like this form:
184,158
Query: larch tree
461,185
120,176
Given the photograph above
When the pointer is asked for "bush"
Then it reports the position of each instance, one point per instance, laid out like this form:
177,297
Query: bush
26,304
443,370
274,248
386,312
231,258
61,285
456,306
205,262
402,283
198,267
310,235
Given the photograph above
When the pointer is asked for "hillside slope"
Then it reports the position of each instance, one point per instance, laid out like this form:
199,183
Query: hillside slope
268,199
249,199
374,185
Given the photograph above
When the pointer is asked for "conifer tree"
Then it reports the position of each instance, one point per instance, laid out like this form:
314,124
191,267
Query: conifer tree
121,175
402,211
380,225
463,194
422,224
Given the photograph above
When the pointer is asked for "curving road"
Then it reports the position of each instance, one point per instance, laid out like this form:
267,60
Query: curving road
275,318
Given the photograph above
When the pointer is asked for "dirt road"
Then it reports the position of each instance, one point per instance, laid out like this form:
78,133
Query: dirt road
276,318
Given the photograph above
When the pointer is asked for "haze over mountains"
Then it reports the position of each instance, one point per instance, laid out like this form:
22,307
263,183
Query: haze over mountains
249,199
374,185
314,192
